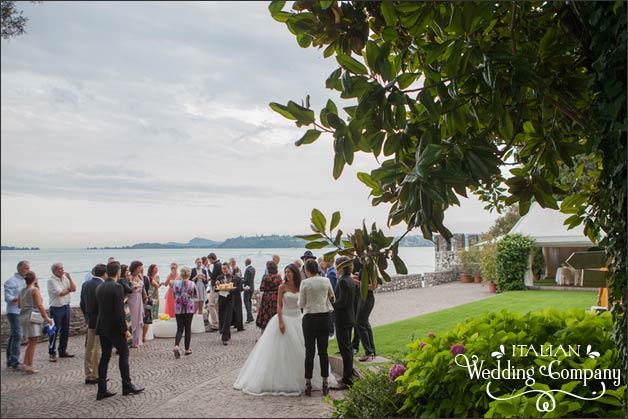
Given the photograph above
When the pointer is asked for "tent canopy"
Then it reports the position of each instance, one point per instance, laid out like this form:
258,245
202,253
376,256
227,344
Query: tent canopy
546,226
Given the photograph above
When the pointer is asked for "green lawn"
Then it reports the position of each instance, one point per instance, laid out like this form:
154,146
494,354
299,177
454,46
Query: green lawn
391,339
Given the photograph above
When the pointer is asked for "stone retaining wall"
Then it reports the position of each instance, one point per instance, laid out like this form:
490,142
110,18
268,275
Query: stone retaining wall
77,326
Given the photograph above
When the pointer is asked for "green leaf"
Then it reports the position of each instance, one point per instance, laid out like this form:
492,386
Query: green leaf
351,64
428,102
310,237
406,79
282,110
371,53
335,220
367,180
317,245
326,4
275,7
339,164
319,220
389,12
309,137
400,267
303,115
330,255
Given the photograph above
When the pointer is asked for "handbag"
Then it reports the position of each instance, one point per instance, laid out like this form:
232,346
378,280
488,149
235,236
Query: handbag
36,317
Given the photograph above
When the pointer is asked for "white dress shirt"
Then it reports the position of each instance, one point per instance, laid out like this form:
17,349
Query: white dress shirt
316,295
55,286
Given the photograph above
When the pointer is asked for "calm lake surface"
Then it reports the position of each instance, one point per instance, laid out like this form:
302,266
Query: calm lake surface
80,261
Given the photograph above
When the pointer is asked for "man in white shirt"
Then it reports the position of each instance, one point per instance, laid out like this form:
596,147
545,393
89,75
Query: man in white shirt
60,285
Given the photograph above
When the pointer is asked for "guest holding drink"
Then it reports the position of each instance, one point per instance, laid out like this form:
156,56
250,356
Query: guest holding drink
153,290
172,276
185,294
269,286
32,316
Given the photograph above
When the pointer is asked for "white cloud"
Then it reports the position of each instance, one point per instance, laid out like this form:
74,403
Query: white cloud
134,121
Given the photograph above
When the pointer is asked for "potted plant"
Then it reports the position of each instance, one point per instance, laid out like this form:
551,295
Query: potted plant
466,266
538,263
488,266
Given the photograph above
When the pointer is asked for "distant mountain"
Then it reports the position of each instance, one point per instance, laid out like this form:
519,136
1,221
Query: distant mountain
251,242
18,248
415,241
273,241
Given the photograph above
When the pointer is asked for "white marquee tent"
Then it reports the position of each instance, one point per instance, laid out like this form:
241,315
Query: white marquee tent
546,226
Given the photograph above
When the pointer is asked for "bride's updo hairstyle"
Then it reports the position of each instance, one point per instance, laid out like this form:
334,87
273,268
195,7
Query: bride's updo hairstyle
296,274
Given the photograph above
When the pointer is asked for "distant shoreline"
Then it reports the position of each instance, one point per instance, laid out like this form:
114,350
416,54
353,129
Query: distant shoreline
18,248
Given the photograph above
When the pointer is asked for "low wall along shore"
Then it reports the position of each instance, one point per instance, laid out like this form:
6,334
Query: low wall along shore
398,283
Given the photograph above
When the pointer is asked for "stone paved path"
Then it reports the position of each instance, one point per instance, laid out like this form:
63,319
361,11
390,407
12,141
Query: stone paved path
189,387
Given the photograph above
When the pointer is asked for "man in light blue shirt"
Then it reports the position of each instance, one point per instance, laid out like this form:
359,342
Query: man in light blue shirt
12,289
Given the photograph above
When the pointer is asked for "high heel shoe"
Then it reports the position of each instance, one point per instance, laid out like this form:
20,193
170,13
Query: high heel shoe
325,389
308,389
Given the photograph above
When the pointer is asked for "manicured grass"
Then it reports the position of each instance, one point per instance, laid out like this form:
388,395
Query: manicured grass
391,339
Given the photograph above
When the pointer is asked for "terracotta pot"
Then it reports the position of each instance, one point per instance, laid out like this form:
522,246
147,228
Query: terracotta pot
492,287
465,278
477,279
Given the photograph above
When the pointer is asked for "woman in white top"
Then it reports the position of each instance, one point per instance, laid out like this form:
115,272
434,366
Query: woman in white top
275,366
315,299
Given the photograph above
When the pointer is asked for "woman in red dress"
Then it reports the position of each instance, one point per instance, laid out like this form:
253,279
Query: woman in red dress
269,286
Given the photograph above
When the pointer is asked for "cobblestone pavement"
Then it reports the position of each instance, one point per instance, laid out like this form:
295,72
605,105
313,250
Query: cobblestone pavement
198,385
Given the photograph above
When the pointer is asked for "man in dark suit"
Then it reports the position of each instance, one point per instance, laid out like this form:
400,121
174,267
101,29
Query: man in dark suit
225,303
345,319
88,304
111,327
249,288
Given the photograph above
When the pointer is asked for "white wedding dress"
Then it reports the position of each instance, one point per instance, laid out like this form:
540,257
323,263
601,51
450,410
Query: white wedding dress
276,366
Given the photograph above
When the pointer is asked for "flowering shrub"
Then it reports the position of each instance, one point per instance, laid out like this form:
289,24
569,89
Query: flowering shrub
395,371
374,396
435,386
457,349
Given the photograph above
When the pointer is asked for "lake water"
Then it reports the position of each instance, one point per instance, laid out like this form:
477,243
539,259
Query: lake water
80,261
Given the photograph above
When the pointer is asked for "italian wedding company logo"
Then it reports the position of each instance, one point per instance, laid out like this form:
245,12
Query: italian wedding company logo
549,367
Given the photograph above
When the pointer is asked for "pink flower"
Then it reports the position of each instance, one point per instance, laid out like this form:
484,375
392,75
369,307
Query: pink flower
395,371
457,349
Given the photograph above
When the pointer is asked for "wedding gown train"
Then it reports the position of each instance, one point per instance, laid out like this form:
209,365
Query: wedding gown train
276,365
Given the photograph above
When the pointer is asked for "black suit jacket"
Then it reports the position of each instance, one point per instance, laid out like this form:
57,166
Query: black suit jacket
249,276
88,301
226,279
195,273
345,298
110,309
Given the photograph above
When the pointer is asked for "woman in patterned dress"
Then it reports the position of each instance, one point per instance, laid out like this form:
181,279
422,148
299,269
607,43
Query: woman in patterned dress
153,290
136,302
185,295
124,280
269,286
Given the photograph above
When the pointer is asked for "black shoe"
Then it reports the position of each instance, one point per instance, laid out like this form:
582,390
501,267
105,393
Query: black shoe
66,355
224,342
132,390
249,321
104,395
240,330
91,381
212,330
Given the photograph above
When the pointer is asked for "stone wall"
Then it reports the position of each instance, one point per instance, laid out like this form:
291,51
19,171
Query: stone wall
77,327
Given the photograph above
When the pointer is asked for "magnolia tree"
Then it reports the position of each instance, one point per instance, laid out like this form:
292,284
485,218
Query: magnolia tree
445,95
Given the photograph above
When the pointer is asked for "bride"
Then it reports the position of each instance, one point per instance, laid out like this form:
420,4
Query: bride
276,366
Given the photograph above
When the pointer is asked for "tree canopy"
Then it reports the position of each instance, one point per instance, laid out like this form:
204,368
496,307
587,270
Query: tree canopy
448,94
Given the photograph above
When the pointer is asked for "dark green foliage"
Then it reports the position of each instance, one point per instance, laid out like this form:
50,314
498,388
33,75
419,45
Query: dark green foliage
374,396
434,386
538,261
512,256
444,93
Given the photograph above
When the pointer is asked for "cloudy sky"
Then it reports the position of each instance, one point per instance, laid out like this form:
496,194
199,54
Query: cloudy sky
129,122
